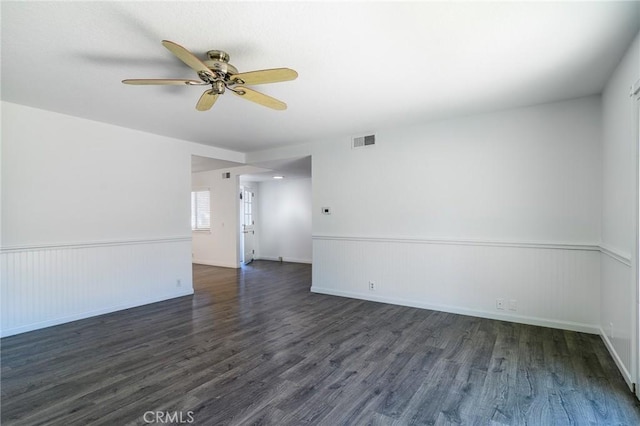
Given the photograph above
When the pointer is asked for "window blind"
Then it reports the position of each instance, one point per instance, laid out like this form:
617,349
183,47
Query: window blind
200,210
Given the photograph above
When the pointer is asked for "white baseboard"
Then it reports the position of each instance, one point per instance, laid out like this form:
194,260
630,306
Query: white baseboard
83,315
215,263
543,322
284,259
616,358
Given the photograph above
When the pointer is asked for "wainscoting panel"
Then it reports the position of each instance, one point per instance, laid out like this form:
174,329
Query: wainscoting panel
541,284
49,285
617,298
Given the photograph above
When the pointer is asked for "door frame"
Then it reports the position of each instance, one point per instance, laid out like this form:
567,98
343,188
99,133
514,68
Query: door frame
635,262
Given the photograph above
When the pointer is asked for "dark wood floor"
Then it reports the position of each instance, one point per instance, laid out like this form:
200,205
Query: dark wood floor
254,346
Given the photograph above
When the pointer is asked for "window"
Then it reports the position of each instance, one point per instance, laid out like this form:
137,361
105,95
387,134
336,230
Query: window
248,214
200,210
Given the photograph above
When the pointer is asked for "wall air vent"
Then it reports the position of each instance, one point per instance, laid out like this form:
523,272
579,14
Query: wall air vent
361,141
226,175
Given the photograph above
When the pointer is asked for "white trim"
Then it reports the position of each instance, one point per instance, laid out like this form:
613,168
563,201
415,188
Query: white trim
86,244
214,263
616,358
615,254
563,325
464,242
635,273
284,259
89,314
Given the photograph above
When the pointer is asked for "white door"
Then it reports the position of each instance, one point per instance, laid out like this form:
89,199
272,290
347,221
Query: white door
248,223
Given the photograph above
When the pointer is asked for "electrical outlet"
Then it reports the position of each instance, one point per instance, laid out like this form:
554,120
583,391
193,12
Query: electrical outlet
500,304
372,286
178,282
513,305
610,330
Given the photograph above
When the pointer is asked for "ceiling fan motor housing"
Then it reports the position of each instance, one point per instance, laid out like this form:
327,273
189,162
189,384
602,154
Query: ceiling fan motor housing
219,62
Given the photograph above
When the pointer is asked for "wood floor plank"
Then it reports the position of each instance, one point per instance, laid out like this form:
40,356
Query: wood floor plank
254,346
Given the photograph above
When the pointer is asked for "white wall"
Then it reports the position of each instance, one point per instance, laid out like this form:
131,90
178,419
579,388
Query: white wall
284,220
220,246
95,217
455,214
529,174
619,195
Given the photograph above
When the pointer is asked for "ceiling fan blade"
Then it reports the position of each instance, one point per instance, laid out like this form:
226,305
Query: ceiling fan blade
274,75
207,100
259,98
187,57
163,81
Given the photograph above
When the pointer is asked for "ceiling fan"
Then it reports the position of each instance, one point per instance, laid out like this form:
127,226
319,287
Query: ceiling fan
217,72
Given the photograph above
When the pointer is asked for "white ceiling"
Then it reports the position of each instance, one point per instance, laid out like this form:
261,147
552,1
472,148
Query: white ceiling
293,168
363,66
203,164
